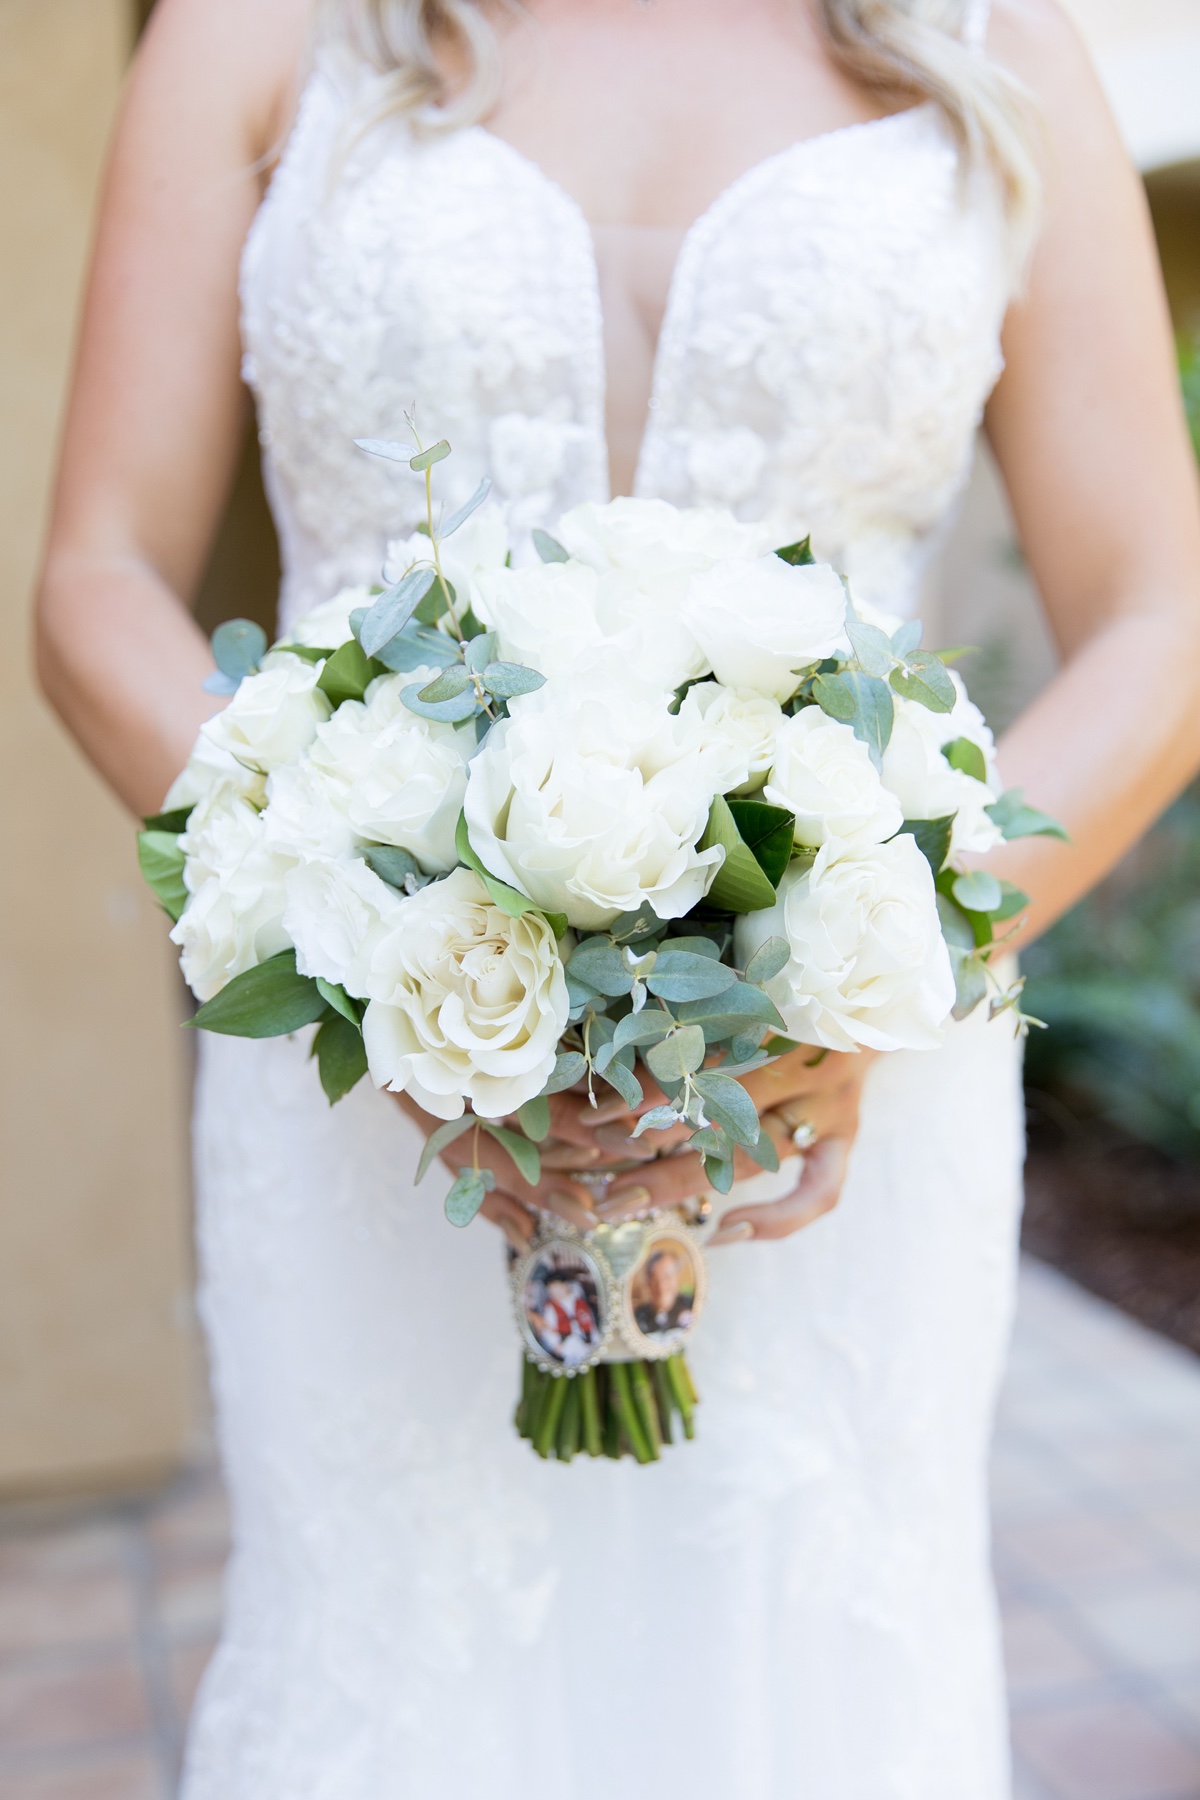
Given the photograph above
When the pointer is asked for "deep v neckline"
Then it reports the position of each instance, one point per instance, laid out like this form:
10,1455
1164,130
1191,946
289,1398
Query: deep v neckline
683,272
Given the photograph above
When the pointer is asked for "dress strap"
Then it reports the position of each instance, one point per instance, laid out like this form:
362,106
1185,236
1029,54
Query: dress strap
975,23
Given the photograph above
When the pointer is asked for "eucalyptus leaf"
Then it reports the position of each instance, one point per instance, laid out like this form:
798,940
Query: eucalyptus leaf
977,891
452,682
161,861
679,975
523,1153
481,650
872,647
633,927
437,1141
390,863
506,680
957,929
466,1197
443,712
535,1119
625,1082
768,960
643,1027
392,452
394,608
425,459
1014,901
464,512
695,946
861,701
341,1058
599,964
269,1000
924,678
216,683
659,1118
970,982
677,1055
238,647
964,754
569,1067
739,1007
933,838
417,647
764,1152
549,548
744,1046
719,1173
906,637
1017,820
350,1009
734,1103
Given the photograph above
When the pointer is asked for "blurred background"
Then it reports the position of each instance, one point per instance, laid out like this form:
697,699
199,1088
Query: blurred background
112,1525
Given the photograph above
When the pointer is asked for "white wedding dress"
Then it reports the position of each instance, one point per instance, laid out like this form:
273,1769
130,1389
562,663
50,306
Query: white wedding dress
797,1606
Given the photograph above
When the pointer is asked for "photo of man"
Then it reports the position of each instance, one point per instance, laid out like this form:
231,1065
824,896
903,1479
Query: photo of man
664,1288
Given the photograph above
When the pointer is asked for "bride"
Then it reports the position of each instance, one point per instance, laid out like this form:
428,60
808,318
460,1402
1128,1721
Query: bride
776,255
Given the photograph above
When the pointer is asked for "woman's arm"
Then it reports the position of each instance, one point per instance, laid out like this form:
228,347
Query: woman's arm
157,407
1088,429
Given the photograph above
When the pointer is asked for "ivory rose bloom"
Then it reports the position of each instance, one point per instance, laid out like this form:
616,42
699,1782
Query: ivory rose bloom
869,965
273,716
234,918
759,621
926,786
327,626
744,722
480,544
465,1002
591,801
824,774
336,913
655,543
210,767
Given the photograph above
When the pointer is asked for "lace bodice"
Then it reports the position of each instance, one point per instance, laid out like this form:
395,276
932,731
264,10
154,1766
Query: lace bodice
830,337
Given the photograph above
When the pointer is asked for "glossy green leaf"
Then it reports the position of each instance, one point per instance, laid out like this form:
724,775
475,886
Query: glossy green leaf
333,995
267,1001
924,679
1017,820
797,554
964,754
768,833
161,861
933,839
172,822
348,673
341,1057
740,885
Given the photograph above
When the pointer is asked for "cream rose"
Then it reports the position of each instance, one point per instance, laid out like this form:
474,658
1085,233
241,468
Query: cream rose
743,722
234,918
824,774
208,768
479,545
926,786
336,912
869,965
465,1002
273,716
656,543
760,621
592,800
327,626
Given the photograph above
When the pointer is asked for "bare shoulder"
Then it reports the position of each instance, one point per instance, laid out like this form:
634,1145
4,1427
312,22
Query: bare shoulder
244,58
1042,46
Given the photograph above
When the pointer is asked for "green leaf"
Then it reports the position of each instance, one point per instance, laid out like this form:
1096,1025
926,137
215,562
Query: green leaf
1016,820
739,1007
341,1058
348,673
872,647
306,652
924,679
1014,901
744,1046
535,1118
417,647
718,1172
466,1197
740,885
267,1001
955,653
797,554
507,898
764,1152
442,712
977,891
768,960
436,604
549,548
767,832
392,611
678,1054
425,459
957,929
392,452
600,965
452,682
970,982
659,1118
695,946
906,637
964,754
481,650
341,1002
437,1141
464,512
680,975
624,1080
172,822
161,861
731,1104
861,701
238,647
569,1067
390,863
506,680
523,1153
646,1027
933,838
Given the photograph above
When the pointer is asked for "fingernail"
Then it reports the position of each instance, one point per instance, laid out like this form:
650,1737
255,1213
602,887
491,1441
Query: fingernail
630,1199
608,1111
618,1140
583,1155
732,1234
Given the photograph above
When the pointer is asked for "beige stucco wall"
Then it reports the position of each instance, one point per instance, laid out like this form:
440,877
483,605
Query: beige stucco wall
95,1359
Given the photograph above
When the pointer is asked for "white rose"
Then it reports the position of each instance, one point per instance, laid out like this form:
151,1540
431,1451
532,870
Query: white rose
746,722
926,786
465,1002
273,716
479,545
234,918
302,819
824,774
591,801
336,913
208,768
651,540
869,964
394,778
569,620
758,622
327,627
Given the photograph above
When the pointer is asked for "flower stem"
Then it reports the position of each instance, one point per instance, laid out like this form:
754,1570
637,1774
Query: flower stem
627,1413
589,1409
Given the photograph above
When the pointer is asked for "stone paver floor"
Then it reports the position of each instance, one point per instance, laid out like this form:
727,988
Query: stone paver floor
108,1616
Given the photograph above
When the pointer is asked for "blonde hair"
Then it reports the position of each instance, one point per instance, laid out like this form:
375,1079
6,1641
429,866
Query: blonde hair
905,51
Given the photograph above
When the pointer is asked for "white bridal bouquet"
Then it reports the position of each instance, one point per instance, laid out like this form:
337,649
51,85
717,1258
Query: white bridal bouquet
657,806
